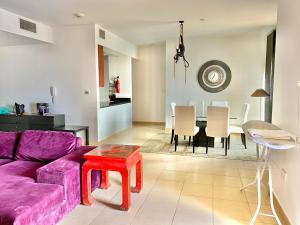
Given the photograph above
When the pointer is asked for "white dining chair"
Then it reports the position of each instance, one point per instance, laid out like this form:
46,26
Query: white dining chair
202,108
172,110
237,129
192,103
185,123
218,125
219,103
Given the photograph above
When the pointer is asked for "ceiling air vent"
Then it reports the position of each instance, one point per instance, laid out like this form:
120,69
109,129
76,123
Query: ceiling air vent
102,34
27,25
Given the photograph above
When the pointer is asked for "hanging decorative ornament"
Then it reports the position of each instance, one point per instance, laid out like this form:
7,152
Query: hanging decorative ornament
180,51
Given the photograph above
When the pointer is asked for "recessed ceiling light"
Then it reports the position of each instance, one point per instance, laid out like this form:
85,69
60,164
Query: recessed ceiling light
79,15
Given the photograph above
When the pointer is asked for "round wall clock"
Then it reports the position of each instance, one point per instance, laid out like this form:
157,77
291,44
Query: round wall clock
214,76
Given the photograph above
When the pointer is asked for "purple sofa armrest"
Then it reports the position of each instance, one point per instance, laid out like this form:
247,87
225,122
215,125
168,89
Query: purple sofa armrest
66,171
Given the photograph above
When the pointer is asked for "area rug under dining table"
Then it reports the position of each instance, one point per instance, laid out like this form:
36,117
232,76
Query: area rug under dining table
160,143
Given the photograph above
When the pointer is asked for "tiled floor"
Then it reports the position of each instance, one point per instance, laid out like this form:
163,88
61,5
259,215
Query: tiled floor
178,190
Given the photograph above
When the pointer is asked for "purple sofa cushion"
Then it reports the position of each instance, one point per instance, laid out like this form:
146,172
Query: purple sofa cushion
4,161
20,168
66,171
7,144
78,142
45,146
24,203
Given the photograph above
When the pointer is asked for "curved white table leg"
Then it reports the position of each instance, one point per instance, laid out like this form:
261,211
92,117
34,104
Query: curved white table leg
271,196
258,177
265,156
257,151
248,185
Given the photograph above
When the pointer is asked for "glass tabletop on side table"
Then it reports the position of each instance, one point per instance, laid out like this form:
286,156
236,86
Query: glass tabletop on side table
112,151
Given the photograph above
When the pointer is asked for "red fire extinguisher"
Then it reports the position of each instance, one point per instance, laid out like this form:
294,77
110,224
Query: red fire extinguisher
117,85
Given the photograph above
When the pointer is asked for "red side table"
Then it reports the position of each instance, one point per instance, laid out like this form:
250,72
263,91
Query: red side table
119,158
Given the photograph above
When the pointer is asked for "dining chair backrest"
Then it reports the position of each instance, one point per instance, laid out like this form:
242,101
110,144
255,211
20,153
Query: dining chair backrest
219,103
185,120
217,121
202,108
192,103
245,112
172,109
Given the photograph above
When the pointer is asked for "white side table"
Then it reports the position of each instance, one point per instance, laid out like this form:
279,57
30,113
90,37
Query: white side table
268,145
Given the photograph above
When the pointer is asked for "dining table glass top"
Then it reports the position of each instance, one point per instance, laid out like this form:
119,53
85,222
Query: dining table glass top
204,118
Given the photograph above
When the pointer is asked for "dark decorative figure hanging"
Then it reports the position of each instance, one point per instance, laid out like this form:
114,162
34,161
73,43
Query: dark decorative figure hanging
180,51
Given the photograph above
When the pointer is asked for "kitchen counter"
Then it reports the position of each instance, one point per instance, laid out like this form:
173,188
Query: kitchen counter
114,103
113,118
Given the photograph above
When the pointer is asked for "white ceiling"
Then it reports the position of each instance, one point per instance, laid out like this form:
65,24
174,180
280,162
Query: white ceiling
148,21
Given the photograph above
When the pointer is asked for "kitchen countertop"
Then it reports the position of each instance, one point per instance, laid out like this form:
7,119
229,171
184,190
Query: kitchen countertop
110,104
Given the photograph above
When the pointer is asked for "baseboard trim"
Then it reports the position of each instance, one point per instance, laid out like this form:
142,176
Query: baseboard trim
148,123
280,212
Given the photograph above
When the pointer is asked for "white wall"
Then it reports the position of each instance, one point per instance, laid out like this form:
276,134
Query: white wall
9,22
286,103
125,51
119,65
28,71
112,65
244,54
149,84
115,43
125,72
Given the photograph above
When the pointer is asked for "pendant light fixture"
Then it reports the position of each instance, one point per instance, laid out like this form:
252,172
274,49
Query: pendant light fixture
180,50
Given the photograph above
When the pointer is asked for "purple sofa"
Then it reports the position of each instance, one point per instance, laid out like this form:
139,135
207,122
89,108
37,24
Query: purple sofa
40,176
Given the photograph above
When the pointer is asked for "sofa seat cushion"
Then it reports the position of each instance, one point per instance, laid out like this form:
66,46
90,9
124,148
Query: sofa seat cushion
22,169
7,144
4,161
24,203
45,146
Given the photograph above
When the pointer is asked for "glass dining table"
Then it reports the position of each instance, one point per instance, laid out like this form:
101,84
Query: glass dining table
200,137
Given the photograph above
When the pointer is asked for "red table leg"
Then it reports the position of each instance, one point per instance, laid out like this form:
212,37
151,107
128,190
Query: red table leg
86,184
104,179
138,176
125,190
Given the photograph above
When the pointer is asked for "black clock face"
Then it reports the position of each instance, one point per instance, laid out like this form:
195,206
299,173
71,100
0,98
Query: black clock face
214,76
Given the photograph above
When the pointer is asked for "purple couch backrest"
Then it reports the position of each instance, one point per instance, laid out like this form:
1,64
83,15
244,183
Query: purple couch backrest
45,146
7,144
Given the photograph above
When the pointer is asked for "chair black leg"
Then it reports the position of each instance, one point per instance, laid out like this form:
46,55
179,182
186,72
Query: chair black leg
172,137
184,137
206,144
190,140
243,137
222,141
226,146
193,144
176,142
